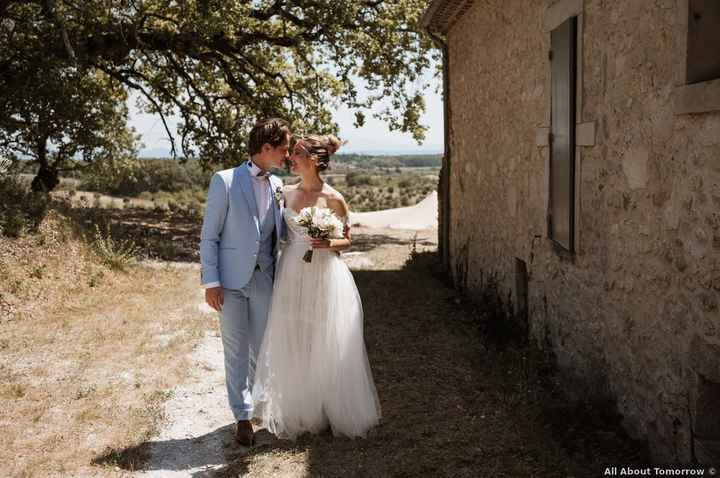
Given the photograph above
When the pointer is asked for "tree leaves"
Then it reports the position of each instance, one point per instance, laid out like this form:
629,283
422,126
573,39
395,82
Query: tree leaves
221,64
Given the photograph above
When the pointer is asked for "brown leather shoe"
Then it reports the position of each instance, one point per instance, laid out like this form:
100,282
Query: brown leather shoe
244,434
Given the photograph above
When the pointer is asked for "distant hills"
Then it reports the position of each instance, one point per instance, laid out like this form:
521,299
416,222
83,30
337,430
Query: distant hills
390,161
164,153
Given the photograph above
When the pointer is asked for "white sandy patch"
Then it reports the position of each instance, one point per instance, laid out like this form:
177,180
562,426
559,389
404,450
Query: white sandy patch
422,216
357,260
198,420
197,436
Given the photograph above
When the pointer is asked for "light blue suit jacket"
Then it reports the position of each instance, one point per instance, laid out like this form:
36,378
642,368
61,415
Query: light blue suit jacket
230,237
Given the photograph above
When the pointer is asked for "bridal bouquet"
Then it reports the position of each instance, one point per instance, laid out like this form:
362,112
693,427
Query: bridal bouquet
320,223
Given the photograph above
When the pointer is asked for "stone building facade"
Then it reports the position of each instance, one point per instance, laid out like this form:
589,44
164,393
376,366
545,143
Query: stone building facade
632,309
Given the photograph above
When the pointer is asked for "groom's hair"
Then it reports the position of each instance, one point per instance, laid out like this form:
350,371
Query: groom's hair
272,131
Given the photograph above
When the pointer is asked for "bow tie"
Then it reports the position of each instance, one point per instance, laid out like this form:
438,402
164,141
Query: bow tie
257,172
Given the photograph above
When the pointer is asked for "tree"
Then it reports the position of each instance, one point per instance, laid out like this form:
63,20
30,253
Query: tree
56,115
220,64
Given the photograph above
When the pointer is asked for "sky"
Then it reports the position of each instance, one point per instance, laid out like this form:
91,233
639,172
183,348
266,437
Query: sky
374,137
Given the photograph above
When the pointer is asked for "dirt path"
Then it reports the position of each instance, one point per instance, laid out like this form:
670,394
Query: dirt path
198,420
455,403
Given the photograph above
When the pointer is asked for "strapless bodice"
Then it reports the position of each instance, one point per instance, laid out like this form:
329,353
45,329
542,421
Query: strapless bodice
296,233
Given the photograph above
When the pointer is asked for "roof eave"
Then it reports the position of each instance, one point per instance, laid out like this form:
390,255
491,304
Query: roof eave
426,22
440,15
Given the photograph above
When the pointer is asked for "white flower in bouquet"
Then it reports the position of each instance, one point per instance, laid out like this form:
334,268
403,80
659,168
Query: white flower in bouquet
320,223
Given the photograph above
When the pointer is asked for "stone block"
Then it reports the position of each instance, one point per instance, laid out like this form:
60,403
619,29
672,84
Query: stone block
635,166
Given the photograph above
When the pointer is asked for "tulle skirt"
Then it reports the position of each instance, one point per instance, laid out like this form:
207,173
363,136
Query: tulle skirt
312,370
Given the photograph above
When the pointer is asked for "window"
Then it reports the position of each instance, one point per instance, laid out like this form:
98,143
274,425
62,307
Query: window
697,64
703,41
561,212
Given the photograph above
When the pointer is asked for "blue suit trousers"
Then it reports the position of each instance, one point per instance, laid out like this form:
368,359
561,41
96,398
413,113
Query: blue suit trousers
243,320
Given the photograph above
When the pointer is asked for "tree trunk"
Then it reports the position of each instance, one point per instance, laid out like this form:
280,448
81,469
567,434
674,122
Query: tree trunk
46,180
47,176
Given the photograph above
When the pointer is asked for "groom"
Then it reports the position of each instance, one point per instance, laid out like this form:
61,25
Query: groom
238,244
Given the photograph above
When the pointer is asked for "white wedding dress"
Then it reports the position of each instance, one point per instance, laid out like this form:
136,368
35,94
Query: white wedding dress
312,370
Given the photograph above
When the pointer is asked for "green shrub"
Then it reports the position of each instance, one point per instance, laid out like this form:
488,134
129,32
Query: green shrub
116,254
354,178
405,183
20,209
134,177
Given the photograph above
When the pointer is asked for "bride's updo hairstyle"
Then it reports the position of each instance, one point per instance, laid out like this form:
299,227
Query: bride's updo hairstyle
321,147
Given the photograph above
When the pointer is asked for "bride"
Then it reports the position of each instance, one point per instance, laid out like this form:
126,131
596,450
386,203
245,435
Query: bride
312,369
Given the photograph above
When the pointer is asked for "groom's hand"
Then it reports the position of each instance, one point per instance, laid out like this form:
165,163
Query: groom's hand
214,298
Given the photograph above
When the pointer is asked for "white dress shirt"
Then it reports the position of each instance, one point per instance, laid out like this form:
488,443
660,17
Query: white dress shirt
261,188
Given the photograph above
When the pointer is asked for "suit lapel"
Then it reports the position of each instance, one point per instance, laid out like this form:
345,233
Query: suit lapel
247,190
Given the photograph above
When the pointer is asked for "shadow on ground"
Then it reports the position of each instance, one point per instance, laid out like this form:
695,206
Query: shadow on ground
457,400
159,233
178,455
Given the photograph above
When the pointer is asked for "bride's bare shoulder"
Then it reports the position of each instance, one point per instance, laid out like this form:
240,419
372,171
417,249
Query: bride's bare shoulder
332,194
335,201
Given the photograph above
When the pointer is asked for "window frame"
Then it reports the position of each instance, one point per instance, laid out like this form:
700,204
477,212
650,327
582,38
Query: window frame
556,14
572,146
690,98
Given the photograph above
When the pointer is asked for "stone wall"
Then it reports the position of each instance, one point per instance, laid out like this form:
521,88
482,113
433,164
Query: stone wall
634,313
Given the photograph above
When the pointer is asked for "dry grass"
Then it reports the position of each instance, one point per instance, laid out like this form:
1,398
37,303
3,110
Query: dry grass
80,346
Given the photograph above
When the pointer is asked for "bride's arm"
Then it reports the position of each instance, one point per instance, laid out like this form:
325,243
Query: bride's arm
346,241
341,210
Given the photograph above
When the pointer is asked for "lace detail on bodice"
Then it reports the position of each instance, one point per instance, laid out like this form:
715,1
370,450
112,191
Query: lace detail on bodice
296,233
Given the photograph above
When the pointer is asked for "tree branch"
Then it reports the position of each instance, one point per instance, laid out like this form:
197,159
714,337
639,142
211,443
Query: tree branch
116,46
51,12
127,81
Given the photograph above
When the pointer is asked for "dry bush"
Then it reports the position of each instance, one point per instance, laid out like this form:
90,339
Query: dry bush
117,254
